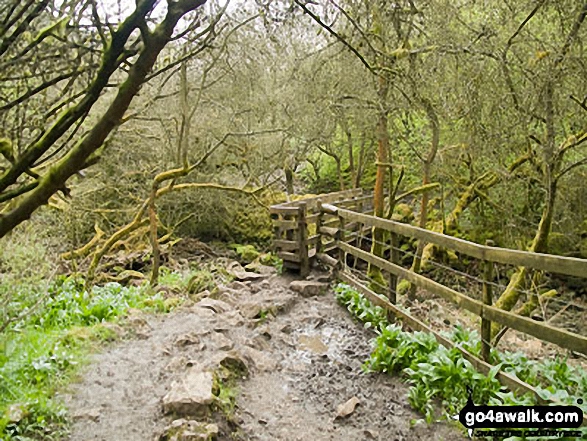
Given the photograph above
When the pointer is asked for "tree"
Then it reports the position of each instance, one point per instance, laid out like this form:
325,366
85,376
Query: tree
129,49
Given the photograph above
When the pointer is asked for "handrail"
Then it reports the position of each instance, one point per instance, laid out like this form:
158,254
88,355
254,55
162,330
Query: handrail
570,266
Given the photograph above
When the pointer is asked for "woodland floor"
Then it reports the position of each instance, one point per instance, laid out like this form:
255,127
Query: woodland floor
304,356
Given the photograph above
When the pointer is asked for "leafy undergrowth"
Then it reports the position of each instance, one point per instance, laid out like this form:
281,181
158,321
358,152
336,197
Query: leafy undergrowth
51,331
438,374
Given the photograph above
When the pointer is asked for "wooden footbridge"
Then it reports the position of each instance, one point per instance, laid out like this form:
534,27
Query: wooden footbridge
333,227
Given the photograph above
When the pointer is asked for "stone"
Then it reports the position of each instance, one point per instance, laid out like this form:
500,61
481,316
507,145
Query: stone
347,408
189,430
191,395
247,275
229,363
259,268
15,413
313,344
236,285
308,288
218,341
371,434
218,306
187,340
261,361
87,415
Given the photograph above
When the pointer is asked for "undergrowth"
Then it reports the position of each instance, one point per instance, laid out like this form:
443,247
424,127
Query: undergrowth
50,328
440,375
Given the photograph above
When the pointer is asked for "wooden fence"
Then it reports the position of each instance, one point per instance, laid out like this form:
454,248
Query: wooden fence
336,215
296,238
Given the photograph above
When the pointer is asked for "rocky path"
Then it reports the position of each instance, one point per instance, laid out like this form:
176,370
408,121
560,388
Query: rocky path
298,356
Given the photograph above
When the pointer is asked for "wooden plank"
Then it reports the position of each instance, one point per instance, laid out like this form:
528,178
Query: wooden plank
510,381
313,240
326,259
326,197
293,257
328,231
556,264
313,218
560,337
330,209
288,257
329,246
285,224
285,245
277,209
352,203
303,240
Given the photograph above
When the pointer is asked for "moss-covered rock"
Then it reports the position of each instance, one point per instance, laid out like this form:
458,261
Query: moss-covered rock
403,213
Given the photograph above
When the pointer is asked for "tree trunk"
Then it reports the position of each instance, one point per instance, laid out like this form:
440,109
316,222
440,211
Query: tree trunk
435,128
378,282
289,180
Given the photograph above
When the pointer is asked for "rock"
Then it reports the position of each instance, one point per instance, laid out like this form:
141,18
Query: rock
229,364
321,277
187,340
261,361
218,306
87,415
176,363
218,341
247,275
371,434
238,286
258,267
308,288
15,413
190,396
266,302
240,274
189,430
312,344
347,408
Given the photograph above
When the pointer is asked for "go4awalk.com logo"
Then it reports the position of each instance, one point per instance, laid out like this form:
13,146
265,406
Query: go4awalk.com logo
539,421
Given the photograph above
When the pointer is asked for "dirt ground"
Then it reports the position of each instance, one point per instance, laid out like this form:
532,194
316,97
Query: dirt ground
304,356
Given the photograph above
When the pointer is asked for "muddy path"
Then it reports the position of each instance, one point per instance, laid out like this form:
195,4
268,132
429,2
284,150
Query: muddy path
303,355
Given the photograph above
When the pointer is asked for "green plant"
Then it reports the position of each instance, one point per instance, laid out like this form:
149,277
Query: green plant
360,307
246,253
437,373
42,350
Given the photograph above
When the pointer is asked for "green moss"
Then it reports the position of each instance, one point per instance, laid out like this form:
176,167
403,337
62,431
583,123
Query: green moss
403,213
247,253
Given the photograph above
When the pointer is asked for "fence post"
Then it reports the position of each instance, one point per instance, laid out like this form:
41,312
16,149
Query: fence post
394,256
341,237
303,240
487,300
318,225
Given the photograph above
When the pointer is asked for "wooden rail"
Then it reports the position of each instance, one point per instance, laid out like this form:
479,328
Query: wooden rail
331,227
484,309
297,226
555,264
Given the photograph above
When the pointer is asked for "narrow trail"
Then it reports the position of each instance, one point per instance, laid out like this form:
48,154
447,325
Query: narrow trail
303,354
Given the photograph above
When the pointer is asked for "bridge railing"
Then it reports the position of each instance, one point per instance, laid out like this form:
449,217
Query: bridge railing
349,220
332,227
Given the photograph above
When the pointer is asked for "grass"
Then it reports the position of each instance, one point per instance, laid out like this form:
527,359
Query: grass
438,374
42,349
